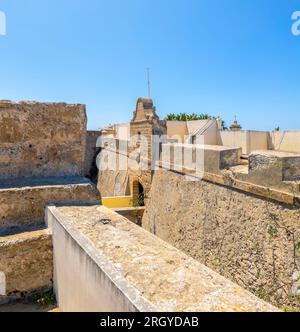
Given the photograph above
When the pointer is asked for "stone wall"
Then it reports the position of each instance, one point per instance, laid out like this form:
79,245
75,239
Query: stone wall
248,239
113,183
22,204
27,262
41,139
134,214
105,263
42,154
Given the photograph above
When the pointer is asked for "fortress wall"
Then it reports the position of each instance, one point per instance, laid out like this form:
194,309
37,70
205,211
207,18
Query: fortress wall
101,260
248,239
41,139
23,206
26,263
112,183
42,154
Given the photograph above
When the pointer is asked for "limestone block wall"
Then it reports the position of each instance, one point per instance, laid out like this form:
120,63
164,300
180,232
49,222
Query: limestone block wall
105,263
26,263
271,168
145,129
248,239
41,139
22,205
214,158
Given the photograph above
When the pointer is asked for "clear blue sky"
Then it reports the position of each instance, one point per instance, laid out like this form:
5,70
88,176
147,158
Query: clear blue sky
223,57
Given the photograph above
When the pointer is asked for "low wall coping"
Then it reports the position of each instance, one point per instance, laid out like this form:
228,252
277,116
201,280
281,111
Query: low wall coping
152,274
275,153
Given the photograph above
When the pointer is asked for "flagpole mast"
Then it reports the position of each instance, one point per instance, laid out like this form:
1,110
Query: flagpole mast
149,85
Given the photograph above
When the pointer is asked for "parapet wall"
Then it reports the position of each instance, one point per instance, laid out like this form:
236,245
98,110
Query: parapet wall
105,263
26,263
22,204
288,141
41,139
247,238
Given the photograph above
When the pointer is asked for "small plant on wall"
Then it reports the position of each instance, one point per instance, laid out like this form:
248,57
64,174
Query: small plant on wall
187,117
139,201
194,117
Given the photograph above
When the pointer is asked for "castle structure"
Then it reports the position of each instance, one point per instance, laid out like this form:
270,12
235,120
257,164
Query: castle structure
244,172
209,237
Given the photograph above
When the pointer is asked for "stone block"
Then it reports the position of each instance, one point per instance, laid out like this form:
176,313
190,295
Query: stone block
105,263
236,232
271,168
219,157
41,139
22,202
26,263
212,158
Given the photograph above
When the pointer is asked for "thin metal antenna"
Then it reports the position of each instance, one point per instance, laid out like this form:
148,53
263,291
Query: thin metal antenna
149,85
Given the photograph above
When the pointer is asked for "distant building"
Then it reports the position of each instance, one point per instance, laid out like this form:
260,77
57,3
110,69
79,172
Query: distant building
235,126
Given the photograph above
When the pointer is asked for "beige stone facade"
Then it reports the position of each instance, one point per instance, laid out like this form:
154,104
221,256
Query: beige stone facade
143,126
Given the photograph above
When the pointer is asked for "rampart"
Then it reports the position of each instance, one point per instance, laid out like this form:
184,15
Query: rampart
114,265
42,154
239,218
235,229
41,139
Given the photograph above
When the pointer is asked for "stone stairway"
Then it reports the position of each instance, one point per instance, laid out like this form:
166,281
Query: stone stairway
26,262
42,161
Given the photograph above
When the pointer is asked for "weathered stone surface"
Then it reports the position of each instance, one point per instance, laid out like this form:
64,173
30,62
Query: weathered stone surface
41,139
27,262
134,214
124,267
22,202
117,182
250,240
213,158
273,167
42,154
113,183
